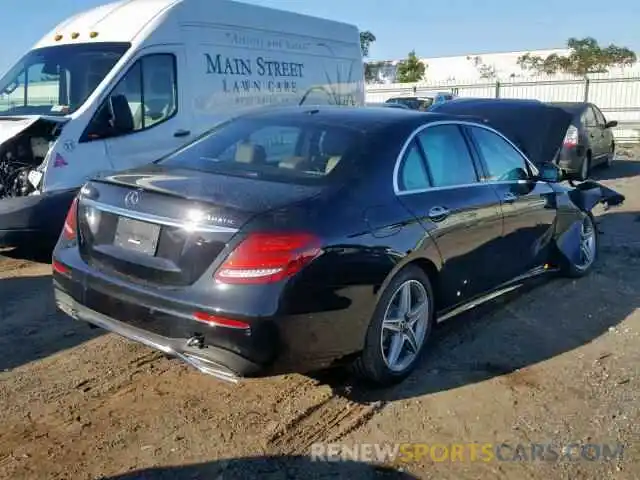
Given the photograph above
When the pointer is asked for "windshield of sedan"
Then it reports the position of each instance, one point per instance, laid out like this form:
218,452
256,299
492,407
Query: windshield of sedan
296,151
57,80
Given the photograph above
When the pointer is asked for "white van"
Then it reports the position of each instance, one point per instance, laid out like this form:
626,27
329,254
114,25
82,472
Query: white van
126,83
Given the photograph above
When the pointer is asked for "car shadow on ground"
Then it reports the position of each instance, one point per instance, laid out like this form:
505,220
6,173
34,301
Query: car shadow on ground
621,168
30,326
544,319
259,468
37,253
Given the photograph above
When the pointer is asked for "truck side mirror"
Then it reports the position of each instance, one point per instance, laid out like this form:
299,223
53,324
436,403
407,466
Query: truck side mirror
121,119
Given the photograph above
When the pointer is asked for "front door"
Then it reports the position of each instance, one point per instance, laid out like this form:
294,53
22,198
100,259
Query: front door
527,205
438,182
605,135
157,104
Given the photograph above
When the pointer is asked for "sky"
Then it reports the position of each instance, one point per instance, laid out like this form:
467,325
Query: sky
432,28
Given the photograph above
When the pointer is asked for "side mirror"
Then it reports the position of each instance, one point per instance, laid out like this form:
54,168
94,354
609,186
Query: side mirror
549,172
611,124
12,87
121,118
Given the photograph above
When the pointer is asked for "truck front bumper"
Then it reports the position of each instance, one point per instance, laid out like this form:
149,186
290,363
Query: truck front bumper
33,218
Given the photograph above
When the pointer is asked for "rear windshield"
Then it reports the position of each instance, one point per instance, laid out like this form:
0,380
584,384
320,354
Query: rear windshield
301,151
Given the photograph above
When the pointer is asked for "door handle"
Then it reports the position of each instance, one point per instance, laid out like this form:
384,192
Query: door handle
437,214
182,133
509,197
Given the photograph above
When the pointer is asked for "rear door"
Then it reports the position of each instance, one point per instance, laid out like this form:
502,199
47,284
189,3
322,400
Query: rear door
437,180
527,206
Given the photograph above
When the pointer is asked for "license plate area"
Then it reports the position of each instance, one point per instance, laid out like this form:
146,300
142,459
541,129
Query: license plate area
141,237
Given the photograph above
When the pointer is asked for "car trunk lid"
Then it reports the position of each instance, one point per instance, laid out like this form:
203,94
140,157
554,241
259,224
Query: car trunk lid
166,227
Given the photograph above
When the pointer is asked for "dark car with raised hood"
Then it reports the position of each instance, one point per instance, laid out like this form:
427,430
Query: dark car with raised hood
298,238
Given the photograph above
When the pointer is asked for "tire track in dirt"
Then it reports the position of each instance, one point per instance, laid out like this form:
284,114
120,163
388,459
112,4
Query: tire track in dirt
322,415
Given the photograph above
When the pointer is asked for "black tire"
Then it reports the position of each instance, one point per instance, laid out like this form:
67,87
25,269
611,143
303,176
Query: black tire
585,168
371,365
570,269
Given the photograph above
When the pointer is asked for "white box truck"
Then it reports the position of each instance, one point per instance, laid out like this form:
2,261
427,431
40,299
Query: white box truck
126,83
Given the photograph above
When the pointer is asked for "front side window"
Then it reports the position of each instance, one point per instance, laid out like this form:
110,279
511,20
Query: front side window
503,161
146,96
284,150
57,80
599,116
448,156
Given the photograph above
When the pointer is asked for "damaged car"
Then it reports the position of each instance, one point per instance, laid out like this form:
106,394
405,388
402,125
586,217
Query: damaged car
299,238
39,98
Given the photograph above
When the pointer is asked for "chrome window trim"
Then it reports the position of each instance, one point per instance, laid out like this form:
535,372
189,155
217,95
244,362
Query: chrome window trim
421,128
158,219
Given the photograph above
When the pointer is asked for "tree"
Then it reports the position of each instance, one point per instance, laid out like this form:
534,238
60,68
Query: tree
487,72
585,56
410,70
366,39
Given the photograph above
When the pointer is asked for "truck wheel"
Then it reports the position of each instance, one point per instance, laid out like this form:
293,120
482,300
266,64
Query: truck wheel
589,249
399,329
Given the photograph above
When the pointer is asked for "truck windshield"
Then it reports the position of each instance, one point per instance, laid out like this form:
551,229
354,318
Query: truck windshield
57,80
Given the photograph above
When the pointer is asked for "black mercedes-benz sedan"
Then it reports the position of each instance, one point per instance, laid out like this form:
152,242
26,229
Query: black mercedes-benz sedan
297,238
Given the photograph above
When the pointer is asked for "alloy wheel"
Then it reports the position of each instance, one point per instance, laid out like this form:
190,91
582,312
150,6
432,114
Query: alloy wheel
587,244
405,325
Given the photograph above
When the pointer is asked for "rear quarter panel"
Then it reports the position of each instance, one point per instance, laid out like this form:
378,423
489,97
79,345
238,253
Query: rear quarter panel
368,236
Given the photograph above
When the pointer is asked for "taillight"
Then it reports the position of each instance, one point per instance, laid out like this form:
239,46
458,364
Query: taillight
219,321
571,138
70,229
60,268
268,257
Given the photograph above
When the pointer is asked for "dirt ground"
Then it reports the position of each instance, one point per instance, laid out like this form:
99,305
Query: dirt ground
557,364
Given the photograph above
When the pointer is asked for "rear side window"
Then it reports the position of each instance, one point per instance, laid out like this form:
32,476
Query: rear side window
413,173
448,156
288,151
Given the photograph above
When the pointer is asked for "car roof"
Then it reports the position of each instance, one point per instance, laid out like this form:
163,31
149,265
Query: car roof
514,118
539,140
359,118
571,107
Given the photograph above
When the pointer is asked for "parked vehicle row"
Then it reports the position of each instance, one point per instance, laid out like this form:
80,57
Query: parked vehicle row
422,102
306,237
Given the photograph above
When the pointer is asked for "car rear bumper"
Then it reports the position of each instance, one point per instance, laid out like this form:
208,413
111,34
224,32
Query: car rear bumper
220,351
318,337
570,159
39,217
218,363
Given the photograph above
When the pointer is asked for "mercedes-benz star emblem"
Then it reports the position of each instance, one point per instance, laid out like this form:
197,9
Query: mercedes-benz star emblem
132,198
